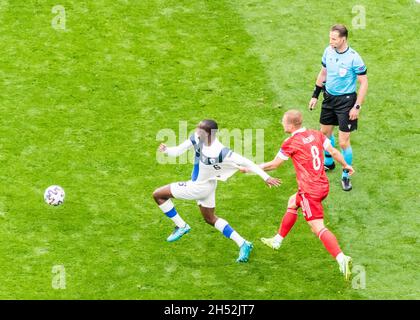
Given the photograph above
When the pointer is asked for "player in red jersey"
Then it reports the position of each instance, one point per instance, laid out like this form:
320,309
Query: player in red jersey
305,148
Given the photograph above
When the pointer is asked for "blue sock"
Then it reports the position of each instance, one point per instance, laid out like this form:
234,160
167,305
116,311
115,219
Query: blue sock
169,210
224,227
348,156
328,159
171,213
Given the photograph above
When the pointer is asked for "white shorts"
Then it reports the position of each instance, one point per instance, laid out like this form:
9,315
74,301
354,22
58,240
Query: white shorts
203,192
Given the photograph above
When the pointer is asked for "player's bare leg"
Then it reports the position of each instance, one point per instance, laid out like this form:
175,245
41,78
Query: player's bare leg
223,226
331,244
208,215
162,194
347,151
286,225
328,131
162,197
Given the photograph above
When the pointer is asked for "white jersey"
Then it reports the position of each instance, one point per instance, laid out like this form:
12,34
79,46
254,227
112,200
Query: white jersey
214,162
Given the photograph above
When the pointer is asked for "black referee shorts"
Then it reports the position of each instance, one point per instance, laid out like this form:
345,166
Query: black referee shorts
336,111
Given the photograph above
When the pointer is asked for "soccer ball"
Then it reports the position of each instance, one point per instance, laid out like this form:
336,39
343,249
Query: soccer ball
54,195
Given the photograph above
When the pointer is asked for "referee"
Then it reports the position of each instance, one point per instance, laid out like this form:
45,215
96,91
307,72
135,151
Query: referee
341,67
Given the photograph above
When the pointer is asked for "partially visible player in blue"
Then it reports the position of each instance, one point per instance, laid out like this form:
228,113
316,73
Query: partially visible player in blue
341,68
213,162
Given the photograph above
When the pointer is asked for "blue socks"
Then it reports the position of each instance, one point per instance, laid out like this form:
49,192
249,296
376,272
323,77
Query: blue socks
348,156
224,227
328,159
169,210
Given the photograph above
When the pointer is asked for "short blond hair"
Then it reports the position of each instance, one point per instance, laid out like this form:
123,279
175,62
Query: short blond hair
341,29
294,117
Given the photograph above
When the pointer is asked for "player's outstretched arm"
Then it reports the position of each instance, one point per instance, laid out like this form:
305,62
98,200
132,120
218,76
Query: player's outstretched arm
272,165
246,165
175,151
267,166
339,158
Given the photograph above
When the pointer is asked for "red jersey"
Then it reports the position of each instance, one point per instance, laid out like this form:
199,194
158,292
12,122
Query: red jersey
305,147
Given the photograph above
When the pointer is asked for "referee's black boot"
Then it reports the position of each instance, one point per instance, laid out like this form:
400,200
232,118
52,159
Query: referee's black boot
345,182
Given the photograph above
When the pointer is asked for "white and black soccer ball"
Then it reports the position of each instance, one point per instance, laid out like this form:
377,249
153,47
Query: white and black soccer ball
54,195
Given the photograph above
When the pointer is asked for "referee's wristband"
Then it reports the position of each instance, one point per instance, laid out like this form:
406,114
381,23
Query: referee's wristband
317,91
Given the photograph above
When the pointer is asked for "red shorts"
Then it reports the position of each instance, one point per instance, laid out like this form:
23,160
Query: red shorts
311,206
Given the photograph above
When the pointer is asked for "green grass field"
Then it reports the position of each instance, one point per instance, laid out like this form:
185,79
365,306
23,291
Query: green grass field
81,108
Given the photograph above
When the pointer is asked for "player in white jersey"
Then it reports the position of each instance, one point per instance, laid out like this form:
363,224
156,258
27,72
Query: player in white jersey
213,161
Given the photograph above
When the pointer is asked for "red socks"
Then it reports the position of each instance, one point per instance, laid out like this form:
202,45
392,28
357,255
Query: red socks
326,236
288,221
330,241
